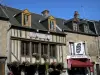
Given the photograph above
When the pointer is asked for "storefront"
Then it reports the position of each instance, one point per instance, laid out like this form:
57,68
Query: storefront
79,66
2,65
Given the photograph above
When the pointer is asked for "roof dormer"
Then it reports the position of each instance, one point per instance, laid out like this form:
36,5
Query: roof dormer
24,18
48,21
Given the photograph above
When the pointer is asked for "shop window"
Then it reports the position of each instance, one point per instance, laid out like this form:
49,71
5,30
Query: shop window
52,50
44,49
25,48
35,48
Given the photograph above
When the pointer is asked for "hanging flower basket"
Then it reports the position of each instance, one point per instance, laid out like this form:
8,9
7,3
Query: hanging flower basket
59,66
26,63
15,64
36,55
45,57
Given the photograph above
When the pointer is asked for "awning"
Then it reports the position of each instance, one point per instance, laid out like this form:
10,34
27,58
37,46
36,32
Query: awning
77,63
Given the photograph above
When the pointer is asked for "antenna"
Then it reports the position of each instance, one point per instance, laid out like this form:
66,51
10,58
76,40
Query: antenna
83,11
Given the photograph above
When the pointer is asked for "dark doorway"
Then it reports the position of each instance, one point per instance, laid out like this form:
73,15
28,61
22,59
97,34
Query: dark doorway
97,69
77,71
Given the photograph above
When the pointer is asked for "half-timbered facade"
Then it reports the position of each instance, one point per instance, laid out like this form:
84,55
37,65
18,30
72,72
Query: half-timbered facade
24,43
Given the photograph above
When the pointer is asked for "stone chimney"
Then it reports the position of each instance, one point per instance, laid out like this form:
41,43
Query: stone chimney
45,13
76,16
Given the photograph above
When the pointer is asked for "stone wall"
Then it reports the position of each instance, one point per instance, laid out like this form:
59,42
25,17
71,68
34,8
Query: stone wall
4,25
91,43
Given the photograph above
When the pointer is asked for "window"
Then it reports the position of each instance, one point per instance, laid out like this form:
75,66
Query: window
35,48
52,50
44,49
51,25
86,29
26,19
75,27
71,48
25,48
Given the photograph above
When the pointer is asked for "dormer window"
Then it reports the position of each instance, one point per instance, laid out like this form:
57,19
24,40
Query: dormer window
86,28
26,18
75,26
51,25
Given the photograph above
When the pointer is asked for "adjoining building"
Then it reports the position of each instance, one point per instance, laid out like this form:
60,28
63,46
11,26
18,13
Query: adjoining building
82,43
33,38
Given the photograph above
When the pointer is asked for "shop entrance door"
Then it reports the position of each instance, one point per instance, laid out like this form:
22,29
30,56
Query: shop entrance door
78,71
2,69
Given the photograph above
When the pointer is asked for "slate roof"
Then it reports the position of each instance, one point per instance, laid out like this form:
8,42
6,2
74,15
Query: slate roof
35,18
2,13
97,25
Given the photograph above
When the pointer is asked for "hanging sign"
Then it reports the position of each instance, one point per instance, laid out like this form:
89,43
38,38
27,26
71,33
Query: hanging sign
79,48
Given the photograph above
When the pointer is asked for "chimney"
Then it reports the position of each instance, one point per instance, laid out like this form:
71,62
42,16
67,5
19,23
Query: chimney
45,13
76,16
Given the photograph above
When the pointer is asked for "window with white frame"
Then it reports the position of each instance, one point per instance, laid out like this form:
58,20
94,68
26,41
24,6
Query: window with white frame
75,27
77,48
86,28
71,48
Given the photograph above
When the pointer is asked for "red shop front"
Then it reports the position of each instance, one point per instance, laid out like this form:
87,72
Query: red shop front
79,66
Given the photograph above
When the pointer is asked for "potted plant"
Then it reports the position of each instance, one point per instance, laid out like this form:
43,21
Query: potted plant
36,56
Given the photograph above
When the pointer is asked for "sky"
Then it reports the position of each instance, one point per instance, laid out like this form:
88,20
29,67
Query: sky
88,9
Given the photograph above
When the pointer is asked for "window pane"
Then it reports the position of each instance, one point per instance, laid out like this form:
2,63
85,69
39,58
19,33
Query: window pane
75,27
51,25
44,48
52,50
86,28
71,48
25,19
25,48
34,48
22,48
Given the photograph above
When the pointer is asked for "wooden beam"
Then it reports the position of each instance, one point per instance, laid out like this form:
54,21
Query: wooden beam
34,40
20,51
62,53
15,56
10,49
31,52
40,50
48,52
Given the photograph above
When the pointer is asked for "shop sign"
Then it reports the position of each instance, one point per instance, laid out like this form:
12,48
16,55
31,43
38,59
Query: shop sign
79,56
39,35
79,48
